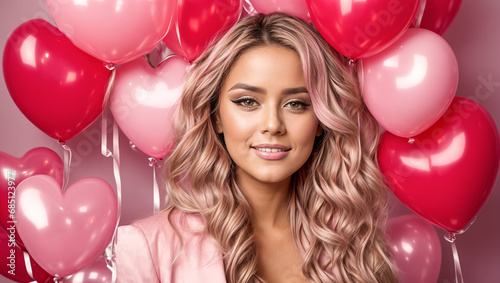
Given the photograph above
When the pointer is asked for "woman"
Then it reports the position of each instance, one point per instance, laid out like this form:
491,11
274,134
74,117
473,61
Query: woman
273,177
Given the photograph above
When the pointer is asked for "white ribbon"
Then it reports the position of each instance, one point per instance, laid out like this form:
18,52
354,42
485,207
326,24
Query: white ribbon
67,163
110,251
456,260
417,20
27,264
153,162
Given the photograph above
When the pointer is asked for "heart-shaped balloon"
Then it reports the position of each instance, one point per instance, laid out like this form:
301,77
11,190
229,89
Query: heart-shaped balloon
14,266
416,248
447,174
408,86
297,8
360,29
65,232
58,87
143,100
113,31
40,160
439,14
196,22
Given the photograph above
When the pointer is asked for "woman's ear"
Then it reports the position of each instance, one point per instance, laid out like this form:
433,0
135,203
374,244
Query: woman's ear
218,125
319,131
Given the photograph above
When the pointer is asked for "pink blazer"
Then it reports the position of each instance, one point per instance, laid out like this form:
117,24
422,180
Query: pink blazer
150,251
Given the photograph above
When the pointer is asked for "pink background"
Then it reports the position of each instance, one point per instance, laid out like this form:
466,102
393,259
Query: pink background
474,37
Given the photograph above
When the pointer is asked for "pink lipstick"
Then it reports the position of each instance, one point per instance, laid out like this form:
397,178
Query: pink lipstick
271,151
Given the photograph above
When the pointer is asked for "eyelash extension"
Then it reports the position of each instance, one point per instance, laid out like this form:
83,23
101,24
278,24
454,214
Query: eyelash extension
300,102
240,100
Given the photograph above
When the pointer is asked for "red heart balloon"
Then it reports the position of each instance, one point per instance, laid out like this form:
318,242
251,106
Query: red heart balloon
447,174
14,266
65,232
37,161
193,28
58,87
359,29
439,14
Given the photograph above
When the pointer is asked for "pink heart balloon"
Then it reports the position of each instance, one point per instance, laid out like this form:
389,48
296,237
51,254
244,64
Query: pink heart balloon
297,8
114,31
408,86
65,232
143,99
14,170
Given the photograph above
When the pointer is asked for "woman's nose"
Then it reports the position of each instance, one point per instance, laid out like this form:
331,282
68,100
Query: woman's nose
272,122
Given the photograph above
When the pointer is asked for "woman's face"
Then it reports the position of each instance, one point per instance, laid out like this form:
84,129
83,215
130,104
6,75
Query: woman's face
266,116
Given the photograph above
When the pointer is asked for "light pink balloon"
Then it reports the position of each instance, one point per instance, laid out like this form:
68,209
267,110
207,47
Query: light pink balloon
143,99
14,170
65,232
416,248
113,31
408,86
96,272
297,8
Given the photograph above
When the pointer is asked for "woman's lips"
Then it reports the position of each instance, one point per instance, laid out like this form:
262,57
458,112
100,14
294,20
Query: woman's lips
271,151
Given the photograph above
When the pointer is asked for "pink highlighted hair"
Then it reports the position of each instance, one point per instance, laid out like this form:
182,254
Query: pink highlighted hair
338,202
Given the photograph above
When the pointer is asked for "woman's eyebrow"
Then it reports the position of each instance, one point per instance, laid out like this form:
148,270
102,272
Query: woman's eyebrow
294,90
248,87
286,91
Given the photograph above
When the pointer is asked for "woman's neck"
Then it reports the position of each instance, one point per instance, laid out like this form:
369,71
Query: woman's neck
268,202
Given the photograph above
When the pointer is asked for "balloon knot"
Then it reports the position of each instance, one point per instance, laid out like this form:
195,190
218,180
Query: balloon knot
154,162
451,237
109,66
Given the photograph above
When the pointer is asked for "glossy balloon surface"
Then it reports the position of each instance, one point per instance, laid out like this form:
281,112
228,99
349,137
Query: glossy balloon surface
65,232
416,248
409,86
360,29
143,102
37,161
58,87
447,174
114,31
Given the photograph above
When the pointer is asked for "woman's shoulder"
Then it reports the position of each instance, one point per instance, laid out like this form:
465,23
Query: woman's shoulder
150,246
169,223
166,226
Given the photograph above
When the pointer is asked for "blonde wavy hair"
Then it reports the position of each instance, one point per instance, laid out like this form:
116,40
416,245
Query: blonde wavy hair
337,202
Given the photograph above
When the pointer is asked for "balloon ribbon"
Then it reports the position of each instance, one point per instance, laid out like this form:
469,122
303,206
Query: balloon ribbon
111,249
153,162
458,270
67,163
27,264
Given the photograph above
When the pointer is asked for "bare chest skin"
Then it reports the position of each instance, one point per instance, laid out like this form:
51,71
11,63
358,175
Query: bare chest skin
279,260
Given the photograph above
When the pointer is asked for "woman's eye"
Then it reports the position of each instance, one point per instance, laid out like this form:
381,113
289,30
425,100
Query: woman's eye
245,102
297,105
